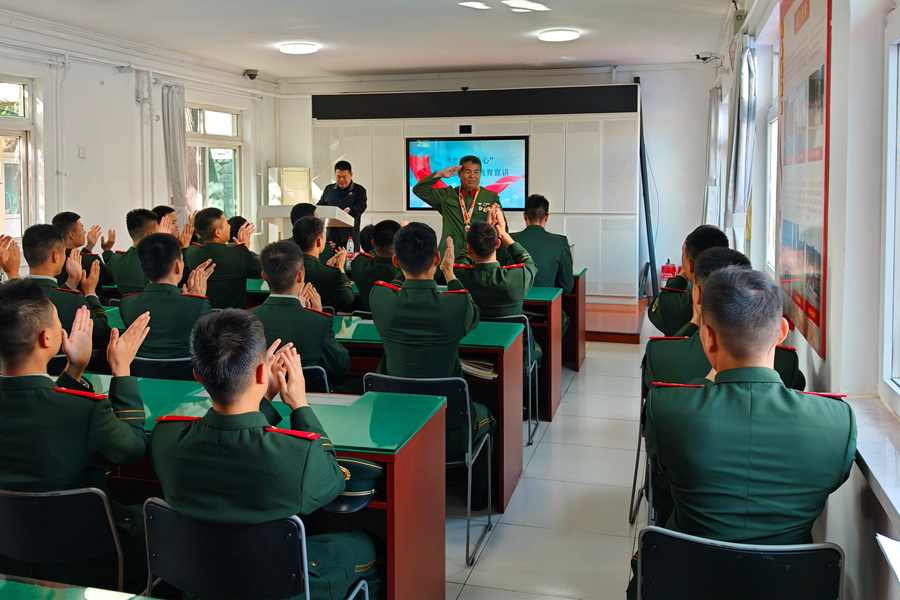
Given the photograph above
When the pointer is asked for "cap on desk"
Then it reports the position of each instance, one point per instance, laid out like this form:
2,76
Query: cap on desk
361,478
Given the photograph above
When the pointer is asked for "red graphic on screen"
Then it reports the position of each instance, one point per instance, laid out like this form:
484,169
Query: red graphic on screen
502,183
421,168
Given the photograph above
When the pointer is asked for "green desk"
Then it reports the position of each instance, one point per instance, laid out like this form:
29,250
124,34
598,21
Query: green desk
574,344
23,588
403,433
115,319
544,305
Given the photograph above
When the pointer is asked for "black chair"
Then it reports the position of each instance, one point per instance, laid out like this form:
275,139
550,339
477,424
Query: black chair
115,302
58,527
57,365
646,490
676,565
456,390
215,560
178,369
328,310
362,314
316,380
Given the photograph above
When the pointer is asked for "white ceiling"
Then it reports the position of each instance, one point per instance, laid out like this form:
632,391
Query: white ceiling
376,37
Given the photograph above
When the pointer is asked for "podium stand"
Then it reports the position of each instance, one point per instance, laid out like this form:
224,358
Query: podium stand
280,216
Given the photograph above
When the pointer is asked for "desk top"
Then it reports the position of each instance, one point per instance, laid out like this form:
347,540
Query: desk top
543,295
28,589
579,273
485,335
115,319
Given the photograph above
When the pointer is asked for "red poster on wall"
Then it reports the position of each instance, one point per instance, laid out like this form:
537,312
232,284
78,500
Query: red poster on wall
803,168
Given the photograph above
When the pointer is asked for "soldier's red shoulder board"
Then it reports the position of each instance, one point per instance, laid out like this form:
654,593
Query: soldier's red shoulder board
684,385
520,265
300,434
454,292
321,313
787,348
665,289
196,244
196,296
120,252
366,254
668,337
83,253
176,418
68,290
823,394
132,294
387,285
457,266
90,395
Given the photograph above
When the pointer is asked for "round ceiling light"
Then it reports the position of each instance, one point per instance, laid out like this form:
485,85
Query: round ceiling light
558,35
298,48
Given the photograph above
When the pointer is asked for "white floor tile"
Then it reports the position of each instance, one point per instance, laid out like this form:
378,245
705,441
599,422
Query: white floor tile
554,563
567,376
457,571
604,407
456,503
590,431
613,368
582,464
624,352
604,384
473,592
576,507
452,590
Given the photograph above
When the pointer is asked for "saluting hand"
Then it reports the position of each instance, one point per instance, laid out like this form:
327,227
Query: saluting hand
196,283
123,348
291,384
110,241
90,280
77,346
92,236
73,268
448,172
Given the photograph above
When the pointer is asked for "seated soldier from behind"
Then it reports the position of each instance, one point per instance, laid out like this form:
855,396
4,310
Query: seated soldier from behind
367,269
304,209
330,280
60,435
365,239
232,466
421,329
748,460
45,252
75,237
672,308
174,310
237,222
227,287
293,312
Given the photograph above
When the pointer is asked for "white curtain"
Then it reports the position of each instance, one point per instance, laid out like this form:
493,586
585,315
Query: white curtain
742,142
711,206
175,140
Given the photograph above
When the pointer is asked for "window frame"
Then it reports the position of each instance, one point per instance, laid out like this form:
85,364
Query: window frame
23,127
224,142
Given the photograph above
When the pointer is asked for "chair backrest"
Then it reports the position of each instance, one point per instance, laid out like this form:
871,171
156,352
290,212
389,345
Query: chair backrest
676,565
328,309
455,389
178,369
362,314
115,302
316,380
57,527
215,560
57,365
519,320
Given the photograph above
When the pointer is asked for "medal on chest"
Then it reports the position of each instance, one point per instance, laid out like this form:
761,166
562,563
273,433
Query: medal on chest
467,213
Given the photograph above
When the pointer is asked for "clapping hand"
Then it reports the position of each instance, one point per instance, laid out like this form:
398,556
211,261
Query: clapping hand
196,283
165,225
187,234
73,268
90,280
448,261
92,236
310,297
10,256
77,345
110,241
243,235
123,348
273,364
289,380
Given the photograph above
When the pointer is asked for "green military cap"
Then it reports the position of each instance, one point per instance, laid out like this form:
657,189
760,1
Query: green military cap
362,479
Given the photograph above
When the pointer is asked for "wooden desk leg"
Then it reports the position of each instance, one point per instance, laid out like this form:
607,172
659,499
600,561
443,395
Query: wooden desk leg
509,442
575,341
551,386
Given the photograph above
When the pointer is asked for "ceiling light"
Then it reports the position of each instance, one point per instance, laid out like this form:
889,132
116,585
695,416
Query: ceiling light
478,5
520,10
298,48
525,4
558,35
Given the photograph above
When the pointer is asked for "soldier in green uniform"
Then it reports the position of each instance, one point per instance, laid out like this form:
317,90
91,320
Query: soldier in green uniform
174,310
729,485
76,237
365,239
62,436
234,466
293,312
461,206
45,252
672,308
421,329
304,209
368,268
330,281
551,252
235,264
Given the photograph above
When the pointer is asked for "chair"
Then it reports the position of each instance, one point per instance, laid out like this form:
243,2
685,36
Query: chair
316,380
531,375
328,310
216,560
115,302
178,369
362,314
646,490
676,565
58,527
456,390
57,365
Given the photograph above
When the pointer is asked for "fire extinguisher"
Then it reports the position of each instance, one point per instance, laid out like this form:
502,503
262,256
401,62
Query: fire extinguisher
668,272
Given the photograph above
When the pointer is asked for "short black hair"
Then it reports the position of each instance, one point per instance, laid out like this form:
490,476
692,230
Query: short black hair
39,242
343,165
226,348
414,247
717,258
744,308
482,239
702,238
470,159
137,221
281,261
157,254
66,221
162,211
206,220
304,209
365,238
236,223
25,311
536,208
383,234
306,231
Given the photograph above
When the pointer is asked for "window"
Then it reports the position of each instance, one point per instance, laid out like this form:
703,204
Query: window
13,181
214,158
12,99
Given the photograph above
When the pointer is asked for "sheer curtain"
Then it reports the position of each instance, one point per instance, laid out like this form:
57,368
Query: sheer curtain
175,141
711,195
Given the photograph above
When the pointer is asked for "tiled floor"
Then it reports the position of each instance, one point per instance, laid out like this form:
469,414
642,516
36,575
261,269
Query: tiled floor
565,533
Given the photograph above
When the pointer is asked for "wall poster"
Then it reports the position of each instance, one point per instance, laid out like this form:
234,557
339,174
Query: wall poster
803,165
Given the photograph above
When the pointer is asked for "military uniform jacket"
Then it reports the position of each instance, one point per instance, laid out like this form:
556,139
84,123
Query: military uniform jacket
551,254
498,290
326,255
126,268
367,269
240,469
172,317
333,286
67,303
673,308
446,201
227,286
747,459
283,317
421,328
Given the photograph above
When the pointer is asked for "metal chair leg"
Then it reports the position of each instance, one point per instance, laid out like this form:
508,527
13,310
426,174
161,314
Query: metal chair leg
533,396
470,557
635,502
